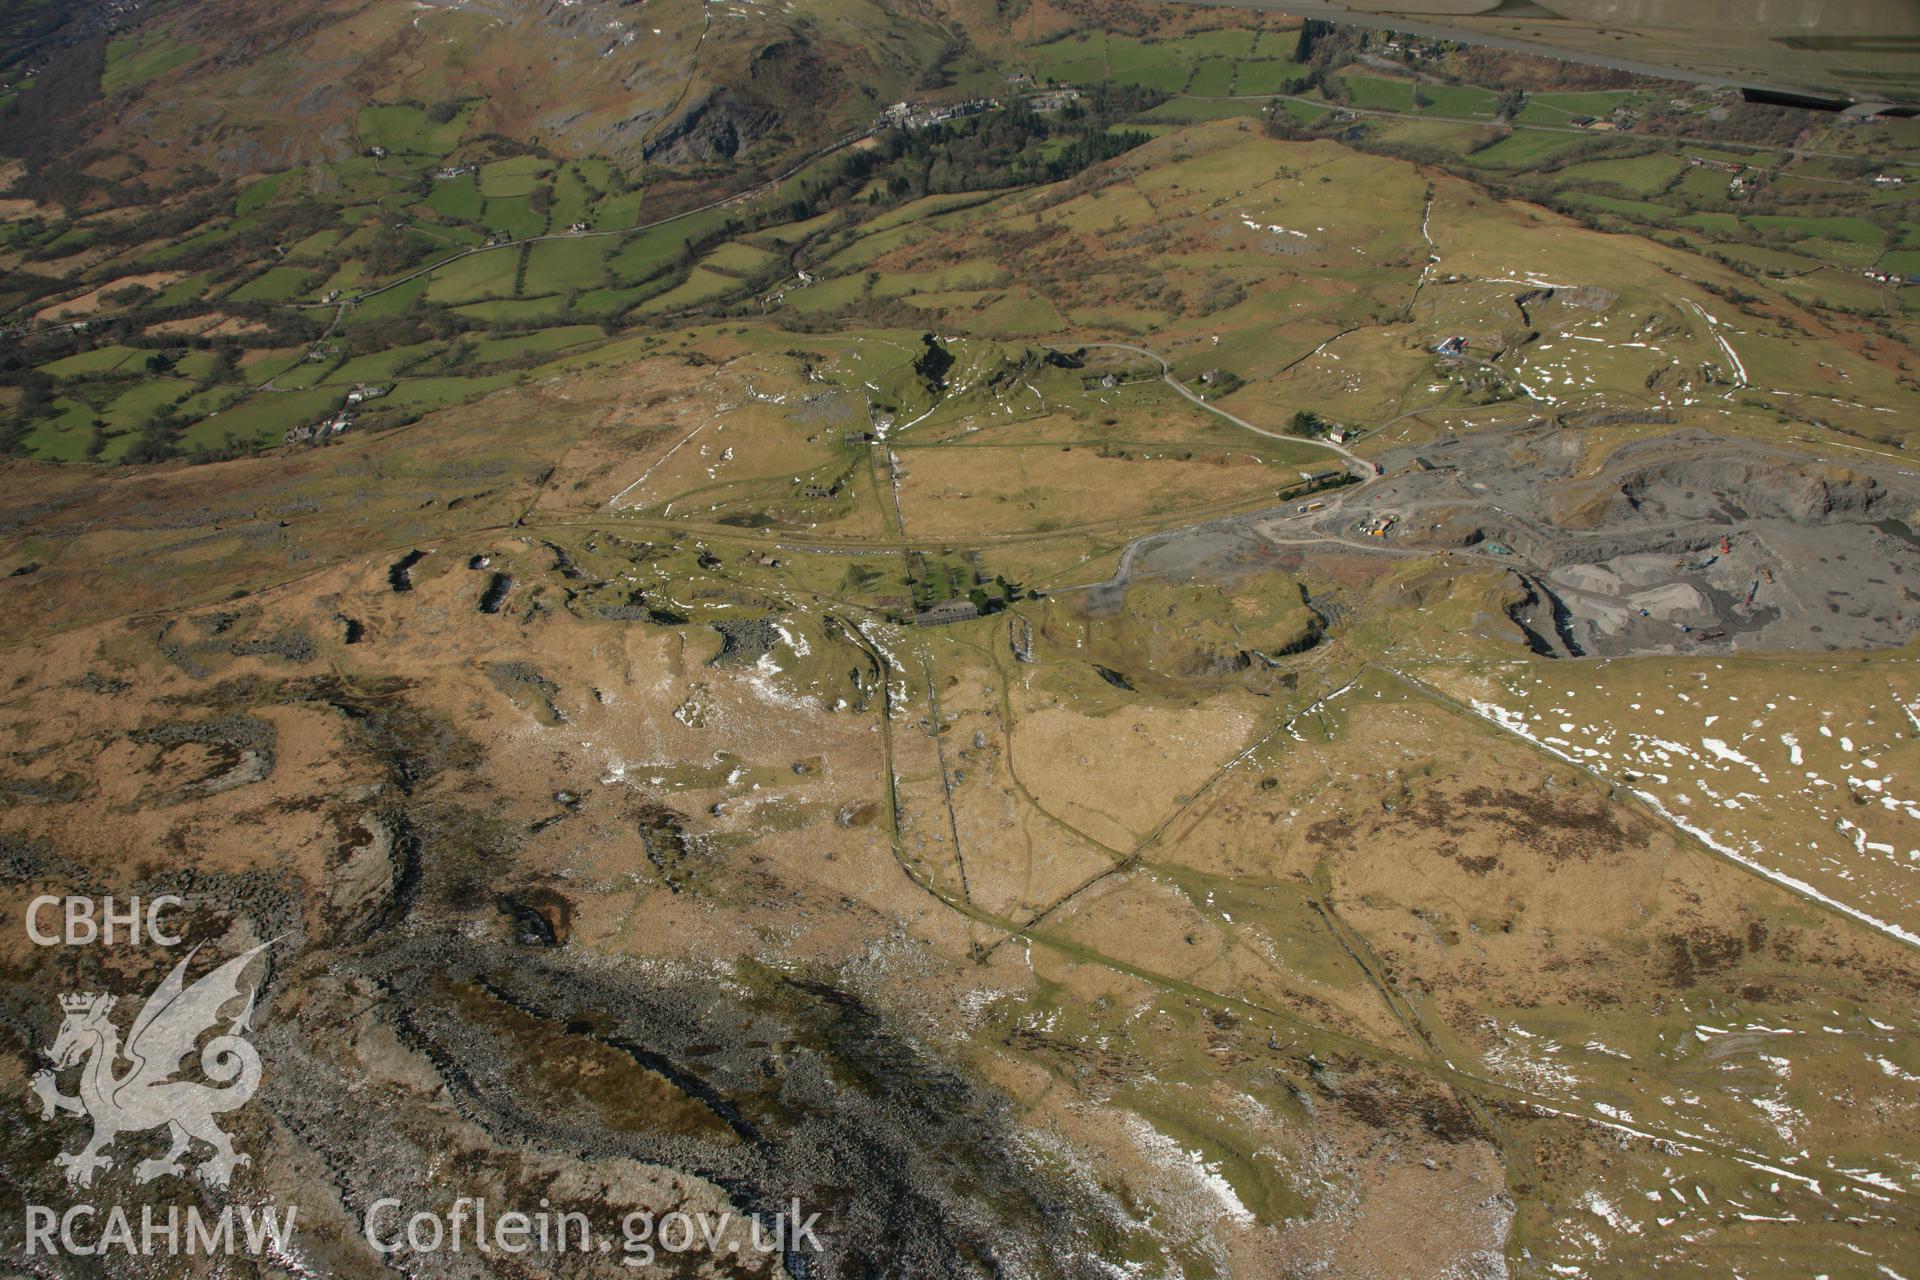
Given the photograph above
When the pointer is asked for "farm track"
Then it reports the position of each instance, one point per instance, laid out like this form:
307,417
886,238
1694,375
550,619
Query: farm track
1364,467
1483,1097
934,731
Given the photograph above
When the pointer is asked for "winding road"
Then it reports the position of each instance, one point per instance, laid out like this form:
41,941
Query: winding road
1360,466
1123,572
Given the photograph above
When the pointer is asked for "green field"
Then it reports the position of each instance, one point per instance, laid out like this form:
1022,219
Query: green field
62,435
265,416
1642,210
513,215
305,374
1017,314
1374,94
1077,59
1156,66
567,264
1204,64
1453,136
205,240
406,130
422,395
577,188
317,245
92,363
650,252
457,199
263,366
1848,238
1227,42
1265,75
1635,175
738,259
975,274
1850,229
607,302
481,275
1212,77
1904,262
255,195
133,62
827,296
196,365
701,286
1772,261
513,312
275,284
1521,149
513,177
381,366
1701,183
133,407
1459,101
617,213
543,342
390,302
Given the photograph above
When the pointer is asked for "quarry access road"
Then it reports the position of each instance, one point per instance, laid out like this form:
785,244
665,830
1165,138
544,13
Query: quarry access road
1365,469
1123,572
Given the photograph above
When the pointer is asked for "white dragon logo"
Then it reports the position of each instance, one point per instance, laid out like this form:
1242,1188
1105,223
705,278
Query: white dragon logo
145,1096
